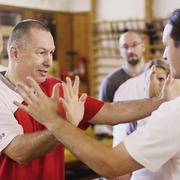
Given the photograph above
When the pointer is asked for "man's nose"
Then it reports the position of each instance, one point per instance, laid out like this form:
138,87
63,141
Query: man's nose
131,48
49,60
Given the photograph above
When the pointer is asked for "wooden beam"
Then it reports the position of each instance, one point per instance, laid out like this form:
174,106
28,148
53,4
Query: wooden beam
92,18
148,9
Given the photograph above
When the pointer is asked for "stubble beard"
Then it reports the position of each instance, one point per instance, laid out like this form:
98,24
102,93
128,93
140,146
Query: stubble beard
133,59
133,62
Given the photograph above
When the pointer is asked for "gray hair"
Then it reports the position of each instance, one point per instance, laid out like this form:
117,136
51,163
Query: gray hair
22,31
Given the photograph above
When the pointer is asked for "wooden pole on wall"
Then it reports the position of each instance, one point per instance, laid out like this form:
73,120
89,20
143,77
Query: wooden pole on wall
91,34
93,9
148,15
148,9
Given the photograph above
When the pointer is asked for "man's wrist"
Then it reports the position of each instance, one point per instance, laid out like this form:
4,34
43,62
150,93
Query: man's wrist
54,123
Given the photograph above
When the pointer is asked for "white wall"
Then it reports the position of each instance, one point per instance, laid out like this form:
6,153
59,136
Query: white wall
120,9
133,9
162,8
79,5
56,5
106,9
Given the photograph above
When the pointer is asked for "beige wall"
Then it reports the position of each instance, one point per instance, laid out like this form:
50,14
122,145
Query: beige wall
107,9
56,5
162,8
133,9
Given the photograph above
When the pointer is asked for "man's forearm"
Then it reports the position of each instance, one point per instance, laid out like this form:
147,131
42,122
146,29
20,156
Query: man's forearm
126,111
92,152
30,146
82,146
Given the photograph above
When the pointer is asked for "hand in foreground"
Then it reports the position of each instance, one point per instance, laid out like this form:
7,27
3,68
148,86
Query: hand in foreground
39,106
72,103
152,84
169,91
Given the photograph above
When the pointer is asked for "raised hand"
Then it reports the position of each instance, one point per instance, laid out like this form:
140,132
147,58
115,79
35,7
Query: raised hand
72,103
152,88
39,106
169,91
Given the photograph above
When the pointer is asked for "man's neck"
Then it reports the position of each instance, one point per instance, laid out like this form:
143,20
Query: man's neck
10,78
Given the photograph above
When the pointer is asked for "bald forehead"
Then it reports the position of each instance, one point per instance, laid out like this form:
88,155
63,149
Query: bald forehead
166,33
129,37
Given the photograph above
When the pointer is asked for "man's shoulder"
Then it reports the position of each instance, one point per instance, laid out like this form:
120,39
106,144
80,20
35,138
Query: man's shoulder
116,73
118,70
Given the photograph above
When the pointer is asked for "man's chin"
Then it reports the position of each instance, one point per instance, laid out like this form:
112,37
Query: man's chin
133,63
41,80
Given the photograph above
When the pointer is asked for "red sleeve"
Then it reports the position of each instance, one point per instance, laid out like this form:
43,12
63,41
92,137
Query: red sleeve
92,106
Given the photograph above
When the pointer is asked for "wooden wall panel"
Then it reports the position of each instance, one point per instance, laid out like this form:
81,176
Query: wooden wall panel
63,39
80,33
80,44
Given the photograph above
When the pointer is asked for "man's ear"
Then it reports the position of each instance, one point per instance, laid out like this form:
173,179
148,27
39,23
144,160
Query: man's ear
120,51
14,52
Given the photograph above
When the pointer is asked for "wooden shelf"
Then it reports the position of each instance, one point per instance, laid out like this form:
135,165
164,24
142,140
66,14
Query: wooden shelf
108,56
156,46
105,65
105,44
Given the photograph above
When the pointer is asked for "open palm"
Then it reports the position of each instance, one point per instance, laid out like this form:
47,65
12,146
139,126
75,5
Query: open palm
72,103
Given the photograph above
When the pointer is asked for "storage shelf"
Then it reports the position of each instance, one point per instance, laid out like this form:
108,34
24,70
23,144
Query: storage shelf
105,44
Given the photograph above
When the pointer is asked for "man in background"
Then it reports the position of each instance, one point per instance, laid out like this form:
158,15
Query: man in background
131,47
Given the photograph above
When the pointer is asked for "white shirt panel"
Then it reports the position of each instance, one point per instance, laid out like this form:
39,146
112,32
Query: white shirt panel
157,144
9,127
133,88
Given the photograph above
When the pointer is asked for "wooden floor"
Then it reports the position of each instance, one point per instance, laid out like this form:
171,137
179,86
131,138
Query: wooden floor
80,173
